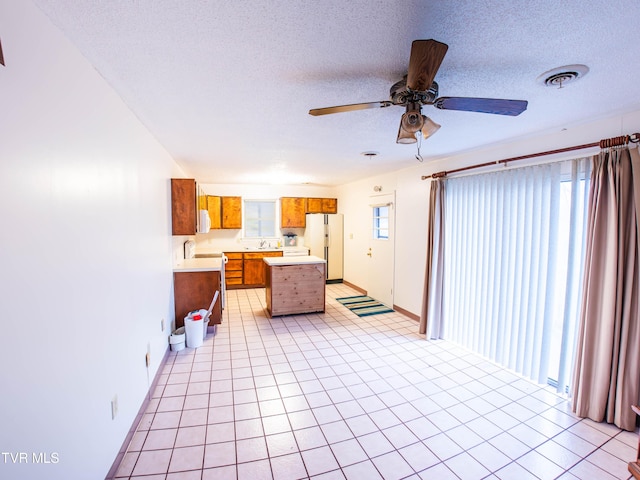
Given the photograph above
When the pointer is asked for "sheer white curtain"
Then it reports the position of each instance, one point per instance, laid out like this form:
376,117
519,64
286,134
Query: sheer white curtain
507,265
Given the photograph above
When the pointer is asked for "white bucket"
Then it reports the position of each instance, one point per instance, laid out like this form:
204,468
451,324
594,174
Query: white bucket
194,328
177,340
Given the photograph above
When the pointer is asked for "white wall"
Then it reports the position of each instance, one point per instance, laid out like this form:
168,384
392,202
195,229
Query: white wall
87,252
220,240
86,255
412,200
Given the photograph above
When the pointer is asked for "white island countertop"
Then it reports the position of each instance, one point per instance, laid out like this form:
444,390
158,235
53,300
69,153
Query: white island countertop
199,265
303,260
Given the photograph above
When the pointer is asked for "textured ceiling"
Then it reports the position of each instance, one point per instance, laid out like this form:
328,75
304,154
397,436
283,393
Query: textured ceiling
226,86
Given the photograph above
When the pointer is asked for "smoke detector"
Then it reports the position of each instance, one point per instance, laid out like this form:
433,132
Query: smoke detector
561,76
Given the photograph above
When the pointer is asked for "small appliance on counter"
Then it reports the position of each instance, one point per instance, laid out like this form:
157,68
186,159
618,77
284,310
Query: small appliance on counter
290,240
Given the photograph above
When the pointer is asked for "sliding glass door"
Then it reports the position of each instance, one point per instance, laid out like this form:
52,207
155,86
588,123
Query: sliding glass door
513,259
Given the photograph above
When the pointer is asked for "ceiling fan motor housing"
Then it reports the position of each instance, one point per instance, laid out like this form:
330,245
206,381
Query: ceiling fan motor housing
402,95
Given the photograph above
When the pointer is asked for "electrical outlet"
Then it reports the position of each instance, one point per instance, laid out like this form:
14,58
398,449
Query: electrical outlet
114,407
162,325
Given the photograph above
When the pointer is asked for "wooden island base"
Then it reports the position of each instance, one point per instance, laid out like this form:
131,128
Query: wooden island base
295,287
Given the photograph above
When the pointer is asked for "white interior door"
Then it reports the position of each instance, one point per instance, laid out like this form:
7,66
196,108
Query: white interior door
381,248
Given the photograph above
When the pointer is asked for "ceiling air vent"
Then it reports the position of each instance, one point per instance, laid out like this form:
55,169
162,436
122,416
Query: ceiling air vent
561,76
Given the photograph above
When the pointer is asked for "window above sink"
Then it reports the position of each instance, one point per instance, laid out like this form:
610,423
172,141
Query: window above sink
259,219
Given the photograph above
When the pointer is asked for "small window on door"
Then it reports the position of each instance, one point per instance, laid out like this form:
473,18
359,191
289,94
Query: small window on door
381,222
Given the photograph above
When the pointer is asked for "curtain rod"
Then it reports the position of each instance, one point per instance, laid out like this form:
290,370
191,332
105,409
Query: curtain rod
606,143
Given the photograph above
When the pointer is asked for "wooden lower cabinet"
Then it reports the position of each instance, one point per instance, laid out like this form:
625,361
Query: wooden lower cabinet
253,271
255,268
195,290
233,270
247,270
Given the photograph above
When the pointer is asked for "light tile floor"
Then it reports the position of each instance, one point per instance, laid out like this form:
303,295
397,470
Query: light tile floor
334,396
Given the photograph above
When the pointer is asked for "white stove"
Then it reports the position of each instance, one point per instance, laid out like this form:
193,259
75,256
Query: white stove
295,251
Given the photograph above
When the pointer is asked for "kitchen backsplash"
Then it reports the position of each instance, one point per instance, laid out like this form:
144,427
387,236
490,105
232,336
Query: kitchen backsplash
228,240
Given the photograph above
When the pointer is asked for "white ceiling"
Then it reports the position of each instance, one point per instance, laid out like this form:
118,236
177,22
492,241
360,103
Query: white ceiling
226,86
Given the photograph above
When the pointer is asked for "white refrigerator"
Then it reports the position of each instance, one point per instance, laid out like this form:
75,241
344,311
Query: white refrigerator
324,237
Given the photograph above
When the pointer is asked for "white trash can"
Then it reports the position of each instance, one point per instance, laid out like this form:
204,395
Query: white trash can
205,324
193,326
176,340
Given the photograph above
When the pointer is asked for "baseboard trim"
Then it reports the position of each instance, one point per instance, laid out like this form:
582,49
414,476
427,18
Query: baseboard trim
136,421
407,313
398,309
355,287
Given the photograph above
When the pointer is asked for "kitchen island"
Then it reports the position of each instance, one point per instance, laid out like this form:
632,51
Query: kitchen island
295,285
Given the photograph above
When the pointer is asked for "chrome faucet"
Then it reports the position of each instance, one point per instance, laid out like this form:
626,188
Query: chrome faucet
262,242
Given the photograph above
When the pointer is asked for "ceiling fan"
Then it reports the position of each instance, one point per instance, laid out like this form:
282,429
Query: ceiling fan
417,88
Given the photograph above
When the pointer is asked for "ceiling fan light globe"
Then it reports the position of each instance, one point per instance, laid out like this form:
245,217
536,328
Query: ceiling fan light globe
412,121
405,137
430,127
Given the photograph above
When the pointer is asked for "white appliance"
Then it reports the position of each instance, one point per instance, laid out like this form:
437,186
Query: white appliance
324,237
295,251
204,221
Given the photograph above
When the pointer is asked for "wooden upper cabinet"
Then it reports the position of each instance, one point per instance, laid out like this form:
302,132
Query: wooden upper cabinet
232,212
292,212
314,205
214,205
329,205
225,212
183,206
322,205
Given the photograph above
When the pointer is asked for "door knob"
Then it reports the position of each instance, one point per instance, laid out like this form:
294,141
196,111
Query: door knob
369,252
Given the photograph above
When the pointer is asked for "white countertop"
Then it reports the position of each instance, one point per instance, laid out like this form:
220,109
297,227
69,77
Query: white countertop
302,260
199,265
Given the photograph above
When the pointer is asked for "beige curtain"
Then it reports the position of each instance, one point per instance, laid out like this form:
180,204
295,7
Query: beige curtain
431,315
607,368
